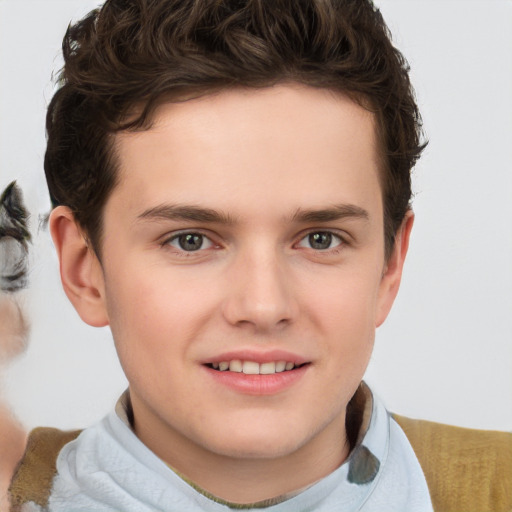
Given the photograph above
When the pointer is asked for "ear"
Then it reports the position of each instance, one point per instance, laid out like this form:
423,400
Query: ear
392,275
80,269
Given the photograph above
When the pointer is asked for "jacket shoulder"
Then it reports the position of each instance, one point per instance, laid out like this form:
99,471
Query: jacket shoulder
32,480
466,470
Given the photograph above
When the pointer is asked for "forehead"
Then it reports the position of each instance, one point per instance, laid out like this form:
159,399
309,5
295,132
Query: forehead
291,144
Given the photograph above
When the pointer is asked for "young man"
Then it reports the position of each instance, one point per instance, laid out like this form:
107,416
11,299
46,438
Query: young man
231,183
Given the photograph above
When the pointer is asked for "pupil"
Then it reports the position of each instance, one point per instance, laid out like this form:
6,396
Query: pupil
191,242
320,241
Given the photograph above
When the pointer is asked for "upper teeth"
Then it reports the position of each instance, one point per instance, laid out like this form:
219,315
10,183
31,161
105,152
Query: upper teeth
253,368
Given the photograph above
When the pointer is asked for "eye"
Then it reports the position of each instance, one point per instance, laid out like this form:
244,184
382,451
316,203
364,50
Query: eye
190,242
321,241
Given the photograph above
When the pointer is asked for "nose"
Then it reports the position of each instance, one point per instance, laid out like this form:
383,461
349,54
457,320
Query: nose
259,292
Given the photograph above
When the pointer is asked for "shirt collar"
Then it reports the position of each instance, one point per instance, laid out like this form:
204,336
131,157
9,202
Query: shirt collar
361,466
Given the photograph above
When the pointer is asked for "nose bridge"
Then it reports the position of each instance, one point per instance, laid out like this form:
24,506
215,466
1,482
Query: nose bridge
260,291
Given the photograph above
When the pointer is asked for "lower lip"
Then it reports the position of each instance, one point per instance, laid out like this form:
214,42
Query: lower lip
259,385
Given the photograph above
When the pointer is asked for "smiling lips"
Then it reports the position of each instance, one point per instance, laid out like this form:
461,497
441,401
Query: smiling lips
253,368
251,377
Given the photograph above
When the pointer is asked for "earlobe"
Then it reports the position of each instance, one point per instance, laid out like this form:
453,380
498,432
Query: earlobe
392,275
80,269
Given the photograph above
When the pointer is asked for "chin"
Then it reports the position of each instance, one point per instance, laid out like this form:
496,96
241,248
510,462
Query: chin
258,448
265,440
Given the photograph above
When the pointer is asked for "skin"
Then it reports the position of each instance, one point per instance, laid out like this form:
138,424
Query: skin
13,440
13,337
259,159
13,329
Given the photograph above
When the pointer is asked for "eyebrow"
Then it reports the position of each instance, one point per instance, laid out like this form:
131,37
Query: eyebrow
186,213
336,212
208,215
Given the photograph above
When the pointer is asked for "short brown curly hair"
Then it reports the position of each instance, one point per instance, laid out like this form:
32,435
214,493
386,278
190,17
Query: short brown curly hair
138,53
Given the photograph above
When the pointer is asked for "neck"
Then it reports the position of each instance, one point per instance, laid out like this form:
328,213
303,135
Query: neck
246,479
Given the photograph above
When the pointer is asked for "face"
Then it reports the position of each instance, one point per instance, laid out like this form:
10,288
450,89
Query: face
13,329
246,232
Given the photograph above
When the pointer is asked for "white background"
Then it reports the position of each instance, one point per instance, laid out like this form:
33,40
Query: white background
445,352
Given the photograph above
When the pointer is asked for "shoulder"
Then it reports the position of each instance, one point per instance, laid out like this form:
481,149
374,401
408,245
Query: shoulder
466,470
32,480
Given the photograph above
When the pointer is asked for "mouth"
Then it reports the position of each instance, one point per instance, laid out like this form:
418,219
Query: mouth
248,367
257,373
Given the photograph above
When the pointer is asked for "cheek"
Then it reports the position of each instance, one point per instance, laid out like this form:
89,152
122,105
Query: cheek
346,299
159,309
345,314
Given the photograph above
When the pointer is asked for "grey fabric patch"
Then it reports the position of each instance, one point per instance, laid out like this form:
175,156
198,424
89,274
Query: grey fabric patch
363,467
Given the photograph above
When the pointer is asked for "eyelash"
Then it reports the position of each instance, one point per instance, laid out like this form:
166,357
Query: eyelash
167,243
331,235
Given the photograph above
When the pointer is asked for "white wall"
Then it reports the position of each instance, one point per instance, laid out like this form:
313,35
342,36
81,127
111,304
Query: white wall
445,353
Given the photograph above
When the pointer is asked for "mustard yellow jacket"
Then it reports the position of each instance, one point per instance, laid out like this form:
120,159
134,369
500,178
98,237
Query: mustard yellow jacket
466,470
